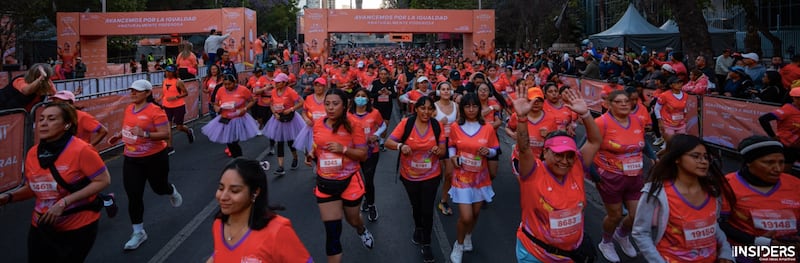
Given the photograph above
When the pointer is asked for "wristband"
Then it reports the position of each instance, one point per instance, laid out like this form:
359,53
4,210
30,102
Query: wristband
587,114
399,146
62,202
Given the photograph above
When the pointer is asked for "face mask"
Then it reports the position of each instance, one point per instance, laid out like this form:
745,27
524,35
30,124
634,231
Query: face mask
361,101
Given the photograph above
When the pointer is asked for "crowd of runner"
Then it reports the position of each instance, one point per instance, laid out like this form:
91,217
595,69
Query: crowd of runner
340,113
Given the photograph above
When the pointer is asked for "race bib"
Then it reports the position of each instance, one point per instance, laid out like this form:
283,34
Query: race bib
330,165
631,166
383,98
44,187
278,106
700,233
566,222
778,220
535,143
127,136
228,105
367,131
471,163
317,115
677,117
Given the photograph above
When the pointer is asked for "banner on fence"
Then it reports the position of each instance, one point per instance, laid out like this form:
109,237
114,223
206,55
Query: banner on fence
12,154
726,122
591,91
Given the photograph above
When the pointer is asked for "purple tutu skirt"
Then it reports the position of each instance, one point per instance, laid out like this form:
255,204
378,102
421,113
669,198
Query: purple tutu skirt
283,131
305,139
238,129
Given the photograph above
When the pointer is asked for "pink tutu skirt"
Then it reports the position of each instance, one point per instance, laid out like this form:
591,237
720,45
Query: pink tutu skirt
238,129
283,131
305,139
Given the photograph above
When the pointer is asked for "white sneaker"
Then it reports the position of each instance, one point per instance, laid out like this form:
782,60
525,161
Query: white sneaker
468,243
176,200
625,244
137,238
608,251
259,133
458,253
366,239
659,141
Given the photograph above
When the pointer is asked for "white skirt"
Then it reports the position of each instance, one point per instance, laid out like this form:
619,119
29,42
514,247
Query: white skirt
471,195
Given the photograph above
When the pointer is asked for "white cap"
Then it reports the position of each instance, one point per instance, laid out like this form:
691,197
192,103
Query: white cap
141,85
360,64
667,68
423,78
752,56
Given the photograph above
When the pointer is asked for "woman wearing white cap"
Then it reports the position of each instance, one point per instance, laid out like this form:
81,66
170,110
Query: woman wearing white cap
552,192
89,129
286,123
145,129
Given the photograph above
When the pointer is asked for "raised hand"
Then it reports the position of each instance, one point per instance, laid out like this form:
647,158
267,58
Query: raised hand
522,105
574,101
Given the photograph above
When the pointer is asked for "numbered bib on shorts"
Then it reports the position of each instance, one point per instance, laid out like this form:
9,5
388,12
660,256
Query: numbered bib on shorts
566,222
778,220
700,233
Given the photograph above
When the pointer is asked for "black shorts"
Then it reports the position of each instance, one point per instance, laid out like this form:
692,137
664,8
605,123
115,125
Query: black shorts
385,110
261,112
176,115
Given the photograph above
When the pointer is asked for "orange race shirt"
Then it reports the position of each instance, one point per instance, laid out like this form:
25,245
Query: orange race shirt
788,124
79,160
170,89
757,213
537,131
314,109
641,113
365,79
691,230
673,110
552,210
233,103
209,85
265,99
490,116
87,126
621,148
370,122
148,118
420,165
562,115
256,82
285,100
474,170
332,165
277,242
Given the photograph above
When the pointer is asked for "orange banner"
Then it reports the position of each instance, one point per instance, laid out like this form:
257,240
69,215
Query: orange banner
693,123
94,50
570,81
149,23
316,33
12,154
592,90
68,35
252,33
483,35
400,21
726,122
233,23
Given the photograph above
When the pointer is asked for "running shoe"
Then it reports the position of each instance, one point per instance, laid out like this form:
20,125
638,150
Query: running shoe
625,244
280,172
175,199
137,238
383,148
417,238
294,163
468,243
190,133
373,213
458,253
170,150
608,251
659,141
228,151
427,254
366,239
444,207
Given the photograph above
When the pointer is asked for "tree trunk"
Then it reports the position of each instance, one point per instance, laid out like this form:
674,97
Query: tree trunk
752,40
601,12
693,29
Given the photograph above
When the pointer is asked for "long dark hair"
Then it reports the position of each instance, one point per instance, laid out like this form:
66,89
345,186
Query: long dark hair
469,99
369,101
665,169
255,178
341,120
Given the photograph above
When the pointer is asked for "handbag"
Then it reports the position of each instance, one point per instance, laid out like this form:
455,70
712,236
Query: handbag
332,187
286,117
224,120
95,205
585,252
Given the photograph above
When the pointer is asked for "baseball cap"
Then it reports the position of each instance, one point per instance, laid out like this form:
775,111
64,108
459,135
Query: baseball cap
281,78
78,58
795,92
667,68
64,95
455,75
738,69
421,79
673,80
535,93
321,81
269,67
171,68
141,85
360,64
560,144
751,55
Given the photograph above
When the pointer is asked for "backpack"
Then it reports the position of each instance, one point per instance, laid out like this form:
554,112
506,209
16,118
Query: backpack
437,130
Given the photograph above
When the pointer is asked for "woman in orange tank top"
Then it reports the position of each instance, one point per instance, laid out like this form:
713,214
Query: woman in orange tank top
173,94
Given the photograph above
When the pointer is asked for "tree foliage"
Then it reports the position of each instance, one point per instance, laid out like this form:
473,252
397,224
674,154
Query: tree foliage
693,29
530,24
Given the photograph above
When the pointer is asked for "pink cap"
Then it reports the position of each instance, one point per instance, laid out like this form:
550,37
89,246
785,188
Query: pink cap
321,81
795,92
560,144
65,95
281,78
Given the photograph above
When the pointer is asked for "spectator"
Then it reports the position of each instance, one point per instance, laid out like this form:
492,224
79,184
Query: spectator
724,63
133,65
592,70
80,68
701,64
143,62
739,84
186,62
777,63
24,92
773,91
754,69
213,43
791,72
698,83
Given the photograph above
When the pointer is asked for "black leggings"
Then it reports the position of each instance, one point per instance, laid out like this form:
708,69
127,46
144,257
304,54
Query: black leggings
423,197
136,171
235,149
368,171
67,246
280,148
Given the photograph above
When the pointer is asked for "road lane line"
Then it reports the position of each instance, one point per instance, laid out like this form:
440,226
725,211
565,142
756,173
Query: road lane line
187,231
441,236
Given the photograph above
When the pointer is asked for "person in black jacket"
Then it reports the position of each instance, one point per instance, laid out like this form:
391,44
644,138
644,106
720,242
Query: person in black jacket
383,93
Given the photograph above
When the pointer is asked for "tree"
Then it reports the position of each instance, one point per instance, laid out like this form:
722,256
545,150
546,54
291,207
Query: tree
693,29
752,41
16,17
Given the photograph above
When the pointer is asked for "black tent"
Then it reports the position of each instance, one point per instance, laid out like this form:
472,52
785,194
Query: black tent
633,31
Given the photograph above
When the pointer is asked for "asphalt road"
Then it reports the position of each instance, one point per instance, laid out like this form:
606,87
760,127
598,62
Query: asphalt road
183,234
